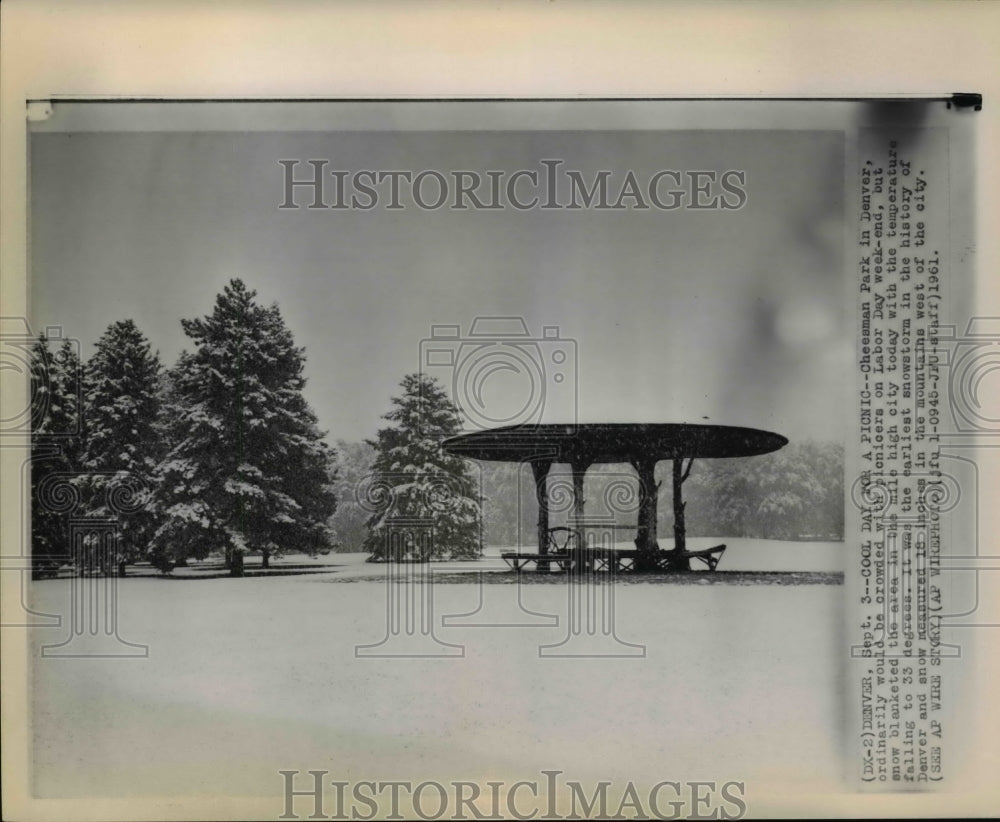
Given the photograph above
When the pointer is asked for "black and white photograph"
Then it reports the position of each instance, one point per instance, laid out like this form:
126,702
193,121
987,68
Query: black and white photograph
494,456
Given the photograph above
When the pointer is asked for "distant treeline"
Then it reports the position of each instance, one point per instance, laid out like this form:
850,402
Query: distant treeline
794,493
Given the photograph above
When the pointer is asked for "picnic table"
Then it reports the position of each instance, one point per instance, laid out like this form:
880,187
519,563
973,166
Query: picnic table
641,445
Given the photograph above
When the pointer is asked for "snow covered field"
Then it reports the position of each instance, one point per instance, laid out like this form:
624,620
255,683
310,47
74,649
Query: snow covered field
248,676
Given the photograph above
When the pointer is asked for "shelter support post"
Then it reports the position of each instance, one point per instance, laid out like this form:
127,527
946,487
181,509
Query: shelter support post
679,562
579,472
646,537
540,471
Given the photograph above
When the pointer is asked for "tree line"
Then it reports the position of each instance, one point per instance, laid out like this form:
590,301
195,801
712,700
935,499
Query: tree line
221,455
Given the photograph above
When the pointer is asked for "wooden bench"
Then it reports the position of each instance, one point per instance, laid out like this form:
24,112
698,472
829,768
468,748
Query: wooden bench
560,545
607,559
610,559
576,558
710,556
600,559
517,560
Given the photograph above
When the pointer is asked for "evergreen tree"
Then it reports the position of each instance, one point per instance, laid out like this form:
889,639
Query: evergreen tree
423,482
248,469
827,460
121,398
510,506
56,443
797,492
723,497
787,487
349,523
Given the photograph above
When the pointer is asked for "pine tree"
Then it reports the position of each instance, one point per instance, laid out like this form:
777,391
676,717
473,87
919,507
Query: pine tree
248,470
349,523
56,443
788,488
510,506
121,398
426,484
827,459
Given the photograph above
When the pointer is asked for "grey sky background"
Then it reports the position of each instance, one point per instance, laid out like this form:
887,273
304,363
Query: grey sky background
738,316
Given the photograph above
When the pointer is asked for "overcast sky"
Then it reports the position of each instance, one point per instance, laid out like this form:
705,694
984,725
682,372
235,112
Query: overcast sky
737,316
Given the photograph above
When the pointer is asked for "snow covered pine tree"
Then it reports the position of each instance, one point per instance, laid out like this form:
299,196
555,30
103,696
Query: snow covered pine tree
56,442
123,446
247,469
417,481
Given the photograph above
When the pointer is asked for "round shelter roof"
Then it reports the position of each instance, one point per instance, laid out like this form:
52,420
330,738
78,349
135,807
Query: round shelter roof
591,443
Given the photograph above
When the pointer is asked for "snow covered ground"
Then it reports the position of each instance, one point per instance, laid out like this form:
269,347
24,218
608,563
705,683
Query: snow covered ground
248,676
